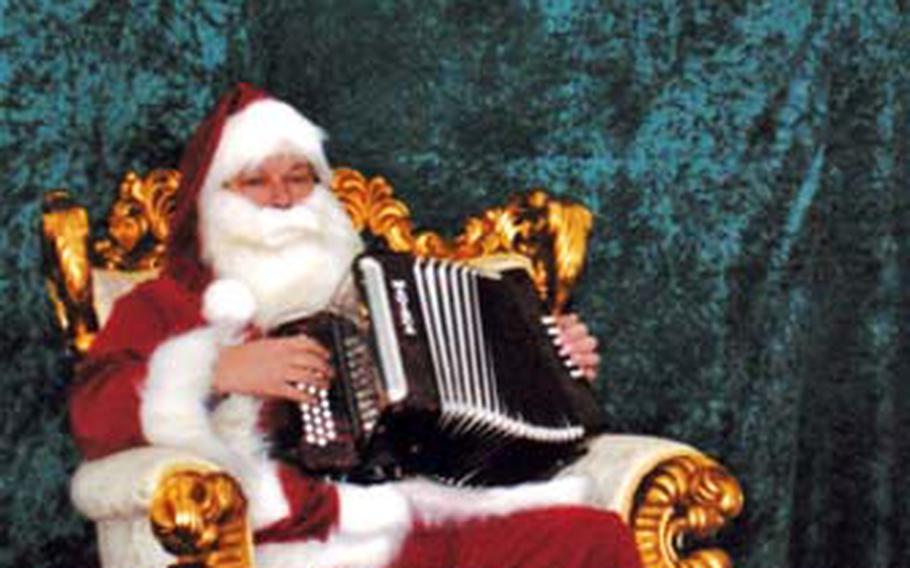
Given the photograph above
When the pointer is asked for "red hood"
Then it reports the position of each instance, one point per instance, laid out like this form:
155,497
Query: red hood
183,261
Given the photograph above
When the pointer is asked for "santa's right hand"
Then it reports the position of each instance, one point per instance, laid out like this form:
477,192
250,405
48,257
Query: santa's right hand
273,368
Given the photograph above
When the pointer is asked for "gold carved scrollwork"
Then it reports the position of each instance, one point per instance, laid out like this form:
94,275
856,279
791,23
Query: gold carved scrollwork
135,240
65,249
138,221
685,499
550,232
201,519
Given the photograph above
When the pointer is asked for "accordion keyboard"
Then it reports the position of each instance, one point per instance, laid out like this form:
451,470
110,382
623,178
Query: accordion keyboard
327,432
317,416
361,371
318,425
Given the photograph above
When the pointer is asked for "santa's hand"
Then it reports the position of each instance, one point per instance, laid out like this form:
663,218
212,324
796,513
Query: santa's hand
576,342
273,368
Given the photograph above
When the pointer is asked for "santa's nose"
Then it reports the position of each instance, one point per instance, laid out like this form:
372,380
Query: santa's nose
282,196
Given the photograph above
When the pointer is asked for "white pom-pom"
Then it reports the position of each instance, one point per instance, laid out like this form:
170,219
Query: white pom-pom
228,303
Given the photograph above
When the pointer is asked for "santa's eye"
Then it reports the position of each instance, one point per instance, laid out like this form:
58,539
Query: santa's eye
299,179
252,182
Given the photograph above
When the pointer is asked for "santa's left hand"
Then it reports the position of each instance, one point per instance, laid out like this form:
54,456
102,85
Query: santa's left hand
576,342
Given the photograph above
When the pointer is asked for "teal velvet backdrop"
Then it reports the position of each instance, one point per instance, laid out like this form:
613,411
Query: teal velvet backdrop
747,163
90,89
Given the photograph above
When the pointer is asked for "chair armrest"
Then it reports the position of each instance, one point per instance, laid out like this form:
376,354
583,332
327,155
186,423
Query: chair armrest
123,485
670,494
618,463
188,505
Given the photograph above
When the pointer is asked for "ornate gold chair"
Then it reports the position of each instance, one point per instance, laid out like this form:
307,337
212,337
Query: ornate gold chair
157,506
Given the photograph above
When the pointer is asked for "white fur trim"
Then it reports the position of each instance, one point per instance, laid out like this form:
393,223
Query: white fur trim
373,508
266,501
236,421
174,413
266,128
432,503
338,551
173,410
375,520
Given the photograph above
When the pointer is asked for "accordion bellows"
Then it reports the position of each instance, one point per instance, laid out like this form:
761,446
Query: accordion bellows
455,376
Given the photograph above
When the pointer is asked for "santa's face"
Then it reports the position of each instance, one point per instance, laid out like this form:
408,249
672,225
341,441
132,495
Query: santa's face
279,181
283,234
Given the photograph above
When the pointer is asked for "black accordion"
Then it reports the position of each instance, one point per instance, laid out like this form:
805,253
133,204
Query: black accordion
455,376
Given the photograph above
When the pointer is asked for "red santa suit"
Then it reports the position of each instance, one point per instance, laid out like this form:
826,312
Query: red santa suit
147,380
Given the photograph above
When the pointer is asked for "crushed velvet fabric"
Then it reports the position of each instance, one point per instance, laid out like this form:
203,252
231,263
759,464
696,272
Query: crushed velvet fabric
746,162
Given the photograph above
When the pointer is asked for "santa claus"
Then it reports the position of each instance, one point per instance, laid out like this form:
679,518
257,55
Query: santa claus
258,239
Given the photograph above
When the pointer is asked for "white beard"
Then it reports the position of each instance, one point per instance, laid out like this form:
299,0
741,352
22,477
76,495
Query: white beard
295,261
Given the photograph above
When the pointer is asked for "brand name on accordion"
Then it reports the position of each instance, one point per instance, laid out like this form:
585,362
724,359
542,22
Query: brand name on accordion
399,288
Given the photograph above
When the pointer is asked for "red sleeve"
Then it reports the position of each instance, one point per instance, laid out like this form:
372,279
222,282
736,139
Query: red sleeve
104,401
107,397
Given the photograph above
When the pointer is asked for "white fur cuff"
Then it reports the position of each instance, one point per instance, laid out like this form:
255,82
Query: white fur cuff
339,550
174,410
372,509
373,523
265,496
174,413
433,503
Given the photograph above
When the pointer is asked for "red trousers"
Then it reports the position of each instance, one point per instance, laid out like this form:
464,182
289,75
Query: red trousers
558,537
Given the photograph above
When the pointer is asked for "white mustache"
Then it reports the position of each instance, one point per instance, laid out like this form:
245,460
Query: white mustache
243,222
279,227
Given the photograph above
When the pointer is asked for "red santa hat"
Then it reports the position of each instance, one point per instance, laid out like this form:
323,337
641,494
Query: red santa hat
246,126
